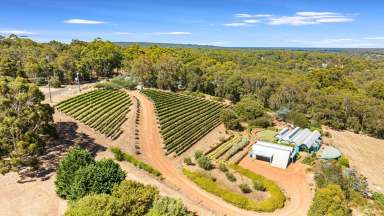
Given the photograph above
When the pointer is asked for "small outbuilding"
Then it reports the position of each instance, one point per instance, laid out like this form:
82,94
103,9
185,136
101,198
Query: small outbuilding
277,155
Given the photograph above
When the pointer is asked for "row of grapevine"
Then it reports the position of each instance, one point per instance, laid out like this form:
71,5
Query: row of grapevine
223,148
183,119
103,110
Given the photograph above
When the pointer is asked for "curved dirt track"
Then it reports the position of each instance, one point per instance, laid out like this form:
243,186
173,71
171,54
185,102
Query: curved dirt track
151,143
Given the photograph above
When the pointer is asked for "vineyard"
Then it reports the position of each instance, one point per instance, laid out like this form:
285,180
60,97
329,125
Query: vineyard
183,119
103,110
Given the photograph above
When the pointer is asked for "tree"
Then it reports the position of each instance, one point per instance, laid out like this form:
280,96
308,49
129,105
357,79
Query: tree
230,119
96,205
204,162
137,198
168,69
329,201
25,123
249,108
102,57
166,206
75,159
99,177
298,119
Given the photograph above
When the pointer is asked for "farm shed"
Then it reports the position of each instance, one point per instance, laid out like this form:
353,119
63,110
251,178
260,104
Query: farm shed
304,138
278,155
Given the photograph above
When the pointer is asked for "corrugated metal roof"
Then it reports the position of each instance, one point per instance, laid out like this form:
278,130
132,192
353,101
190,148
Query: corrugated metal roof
310,140
288,136
272,146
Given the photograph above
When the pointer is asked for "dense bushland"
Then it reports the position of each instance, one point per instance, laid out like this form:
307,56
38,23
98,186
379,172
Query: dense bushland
341,90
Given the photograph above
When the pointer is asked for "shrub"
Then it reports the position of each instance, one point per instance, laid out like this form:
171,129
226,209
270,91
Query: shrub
343,161
263,122
117,83
100,177
204,162
245,188
309,160
136,162
40,81
223,167
96,204
119,155
137,198
298,119
230,177
230,119
198,154
188,161
257,185
328,172
54,82
75,159
329,201
166,206
379,198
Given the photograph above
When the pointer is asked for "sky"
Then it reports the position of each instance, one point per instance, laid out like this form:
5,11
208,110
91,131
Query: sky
230,23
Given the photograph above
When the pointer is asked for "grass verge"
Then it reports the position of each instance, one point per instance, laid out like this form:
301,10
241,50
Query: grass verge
122,156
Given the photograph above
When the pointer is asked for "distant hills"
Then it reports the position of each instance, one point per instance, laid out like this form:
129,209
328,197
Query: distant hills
176,45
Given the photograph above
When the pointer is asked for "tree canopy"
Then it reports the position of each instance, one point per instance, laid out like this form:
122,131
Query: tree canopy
342,90
25,123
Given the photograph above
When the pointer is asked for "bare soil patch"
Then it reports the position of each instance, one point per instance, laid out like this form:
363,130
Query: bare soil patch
365,154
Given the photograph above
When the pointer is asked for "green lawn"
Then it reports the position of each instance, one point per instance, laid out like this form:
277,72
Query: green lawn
267,135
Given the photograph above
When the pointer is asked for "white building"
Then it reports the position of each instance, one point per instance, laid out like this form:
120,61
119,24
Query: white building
278,155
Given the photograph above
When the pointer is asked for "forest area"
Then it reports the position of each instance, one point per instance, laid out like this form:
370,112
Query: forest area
342,90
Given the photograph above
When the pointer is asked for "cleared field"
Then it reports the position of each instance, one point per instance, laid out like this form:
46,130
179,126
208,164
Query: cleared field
364,153
103,110
183,119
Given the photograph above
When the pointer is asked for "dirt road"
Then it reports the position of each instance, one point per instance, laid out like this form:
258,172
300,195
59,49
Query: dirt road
150,141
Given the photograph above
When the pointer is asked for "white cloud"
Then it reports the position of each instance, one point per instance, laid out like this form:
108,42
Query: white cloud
84,22
310,18
235,24
251,21
311,14
299,18
16,32
374,38
173,33
245,15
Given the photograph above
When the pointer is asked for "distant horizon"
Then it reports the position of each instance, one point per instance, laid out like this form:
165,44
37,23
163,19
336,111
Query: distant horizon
224,23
